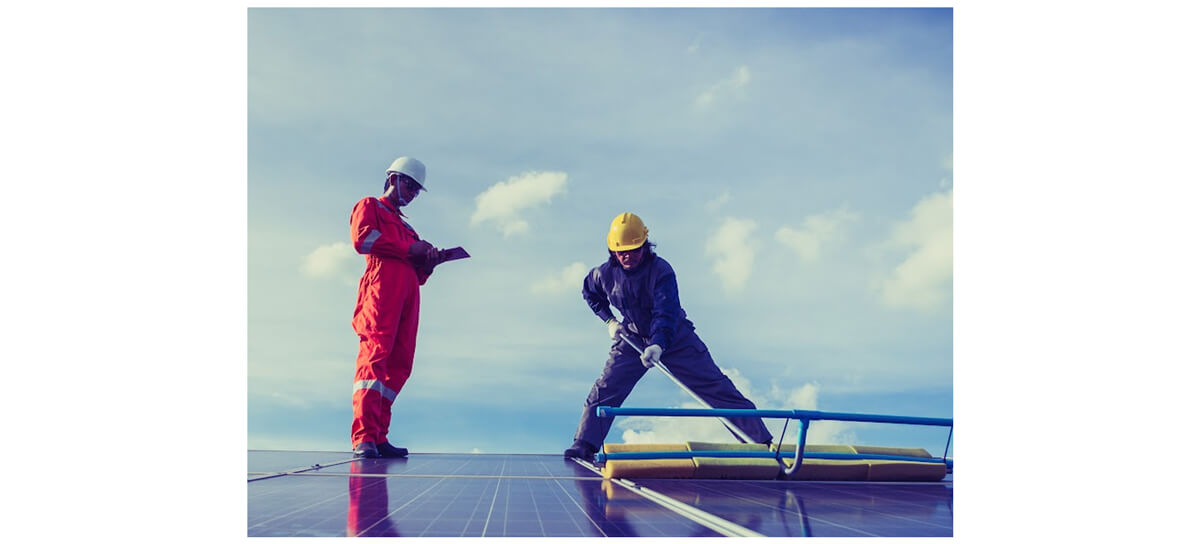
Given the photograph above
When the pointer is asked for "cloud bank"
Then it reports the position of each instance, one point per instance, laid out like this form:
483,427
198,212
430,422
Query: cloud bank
502,203
818,231
336,261
732,254
923,280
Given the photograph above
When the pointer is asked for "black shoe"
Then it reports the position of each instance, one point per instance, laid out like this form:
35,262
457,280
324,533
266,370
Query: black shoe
366,449
390,451
580,450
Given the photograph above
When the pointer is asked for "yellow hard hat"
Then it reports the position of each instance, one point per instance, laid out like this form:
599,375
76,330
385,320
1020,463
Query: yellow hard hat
627,232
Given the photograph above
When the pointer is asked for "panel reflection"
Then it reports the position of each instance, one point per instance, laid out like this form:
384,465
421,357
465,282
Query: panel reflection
368,508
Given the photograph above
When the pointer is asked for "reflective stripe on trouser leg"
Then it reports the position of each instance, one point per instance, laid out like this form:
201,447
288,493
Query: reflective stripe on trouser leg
621,372
371,393
371,399
376,385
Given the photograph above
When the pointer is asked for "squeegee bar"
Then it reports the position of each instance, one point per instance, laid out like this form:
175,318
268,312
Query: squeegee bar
759,455
610,411
812,415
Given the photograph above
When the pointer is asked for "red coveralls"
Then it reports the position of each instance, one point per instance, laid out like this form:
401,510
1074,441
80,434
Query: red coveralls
385,316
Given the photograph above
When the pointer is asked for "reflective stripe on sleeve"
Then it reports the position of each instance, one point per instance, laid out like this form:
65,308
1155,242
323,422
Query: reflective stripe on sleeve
365,247
376,385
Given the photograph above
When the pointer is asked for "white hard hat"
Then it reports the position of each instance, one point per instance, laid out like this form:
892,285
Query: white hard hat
410,167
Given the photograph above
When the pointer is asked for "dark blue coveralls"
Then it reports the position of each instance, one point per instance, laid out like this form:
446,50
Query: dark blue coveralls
648,298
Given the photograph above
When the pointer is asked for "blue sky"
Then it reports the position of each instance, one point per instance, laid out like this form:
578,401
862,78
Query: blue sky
793,165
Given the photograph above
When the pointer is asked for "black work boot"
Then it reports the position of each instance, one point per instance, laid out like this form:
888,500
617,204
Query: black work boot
366,449
580,450
390,451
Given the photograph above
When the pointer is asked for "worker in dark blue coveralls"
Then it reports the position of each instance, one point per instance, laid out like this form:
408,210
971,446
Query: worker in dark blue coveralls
642,286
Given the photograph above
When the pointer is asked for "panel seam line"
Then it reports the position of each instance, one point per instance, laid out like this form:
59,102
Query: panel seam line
707,519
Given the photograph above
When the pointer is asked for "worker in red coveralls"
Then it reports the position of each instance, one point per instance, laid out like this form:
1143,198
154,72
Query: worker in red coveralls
389,302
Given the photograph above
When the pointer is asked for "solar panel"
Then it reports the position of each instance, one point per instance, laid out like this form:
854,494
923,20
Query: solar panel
299,494
822,509
266,463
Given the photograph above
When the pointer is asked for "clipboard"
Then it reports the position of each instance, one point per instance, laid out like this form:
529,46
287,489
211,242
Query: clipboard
453,254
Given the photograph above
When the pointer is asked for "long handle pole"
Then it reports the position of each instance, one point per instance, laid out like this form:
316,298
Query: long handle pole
728,424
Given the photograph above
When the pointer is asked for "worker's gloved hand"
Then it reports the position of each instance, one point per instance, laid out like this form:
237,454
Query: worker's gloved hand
422,254
652,354
614,328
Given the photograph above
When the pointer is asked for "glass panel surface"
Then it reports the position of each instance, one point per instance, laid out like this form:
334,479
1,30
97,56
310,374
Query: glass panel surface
261,461
821,509
298,506
444,464
544,495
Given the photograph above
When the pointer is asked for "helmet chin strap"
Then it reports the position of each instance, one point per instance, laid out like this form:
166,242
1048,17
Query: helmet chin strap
392,190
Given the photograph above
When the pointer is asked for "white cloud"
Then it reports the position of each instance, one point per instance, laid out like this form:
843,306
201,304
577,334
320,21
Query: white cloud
817,232
732,253
731,85
803,397
647,430
694,46
502,203
923,280
651,430
336,261
569,279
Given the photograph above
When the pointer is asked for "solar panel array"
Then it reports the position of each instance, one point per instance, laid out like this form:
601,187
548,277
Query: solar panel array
295,494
